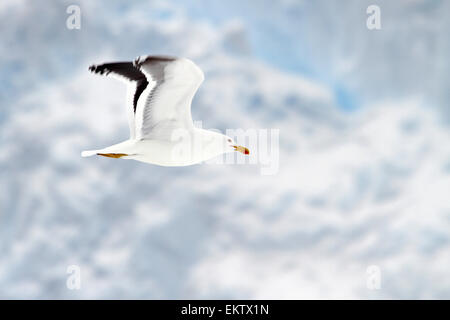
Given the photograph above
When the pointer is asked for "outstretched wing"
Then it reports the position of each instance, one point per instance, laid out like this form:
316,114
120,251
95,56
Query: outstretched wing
165,104
136,84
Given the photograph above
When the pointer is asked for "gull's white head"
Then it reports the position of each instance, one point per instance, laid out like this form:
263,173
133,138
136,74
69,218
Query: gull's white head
214,144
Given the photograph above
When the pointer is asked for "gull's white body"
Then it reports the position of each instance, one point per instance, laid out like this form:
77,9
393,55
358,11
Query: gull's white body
203,145
160,92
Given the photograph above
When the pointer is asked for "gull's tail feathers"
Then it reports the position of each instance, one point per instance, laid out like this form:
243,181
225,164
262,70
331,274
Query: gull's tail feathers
89,153
122,149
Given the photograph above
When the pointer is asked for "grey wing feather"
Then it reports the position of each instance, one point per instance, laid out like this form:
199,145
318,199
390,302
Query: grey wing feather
166,102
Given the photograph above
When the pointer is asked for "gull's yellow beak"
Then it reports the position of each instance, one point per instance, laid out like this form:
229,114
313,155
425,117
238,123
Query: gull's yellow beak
241,149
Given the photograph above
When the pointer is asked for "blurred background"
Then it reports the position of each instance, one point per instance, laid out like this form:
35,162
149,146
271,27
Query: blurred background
364,153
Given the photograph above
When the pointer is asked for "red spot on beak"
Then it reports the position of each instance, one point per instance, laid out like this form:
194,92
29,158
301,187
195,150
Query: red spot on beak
241,149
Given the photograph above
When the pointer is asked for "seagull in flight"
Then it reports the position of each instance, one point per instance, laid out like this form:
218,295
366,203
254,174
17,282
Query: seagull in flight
159,95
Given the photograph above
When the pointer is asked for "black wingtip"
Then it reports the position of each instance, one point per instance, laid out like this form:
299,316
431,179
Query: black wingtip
99,69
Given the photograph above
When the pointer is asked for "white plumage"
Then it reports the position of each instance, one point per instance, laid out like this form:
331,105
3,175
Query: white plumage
160,90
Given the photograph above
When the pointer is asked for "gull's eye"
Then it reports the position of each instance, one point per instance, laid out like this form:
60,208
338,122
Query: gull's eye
229,140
